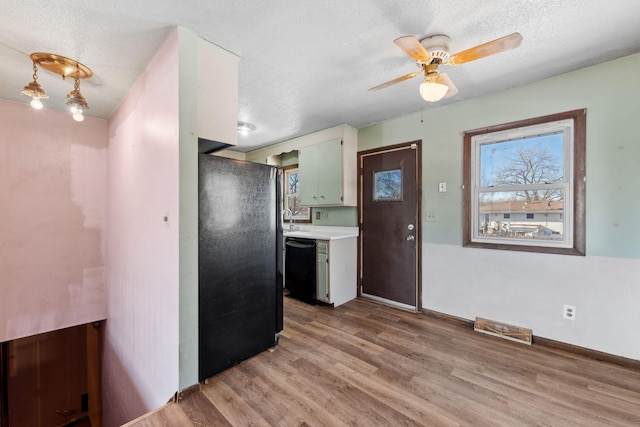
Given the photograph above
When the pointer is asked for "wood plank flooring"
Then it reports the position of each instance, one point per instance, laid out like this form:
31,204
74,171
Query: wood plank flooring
364,364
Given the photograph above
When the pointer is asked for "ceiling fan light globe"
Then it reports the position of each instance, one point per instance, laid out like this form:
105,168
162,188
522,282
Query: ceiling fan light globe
433,92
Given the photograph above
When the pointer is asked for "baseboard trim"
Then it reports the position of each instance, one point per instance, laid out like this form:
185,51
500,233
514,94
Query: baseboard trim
625,362
547,342
460,321
181,394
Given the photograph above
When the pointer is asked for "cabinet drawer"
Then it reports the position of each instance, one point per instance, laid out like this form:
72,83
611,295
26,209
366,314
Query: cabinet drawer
322,247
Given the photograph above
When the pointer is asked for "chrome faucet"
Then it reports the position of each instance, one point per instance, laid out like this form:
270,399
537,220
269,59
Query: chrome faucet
291,221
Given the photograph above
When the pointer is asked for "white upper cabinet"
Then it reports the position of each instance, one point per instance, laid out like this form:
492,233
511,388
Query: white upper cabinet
321,174
217,94
328,173
327,162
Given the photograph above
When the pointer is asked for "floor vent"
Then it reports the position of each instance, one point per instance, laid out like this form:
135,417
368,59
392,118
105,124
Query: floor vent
502,330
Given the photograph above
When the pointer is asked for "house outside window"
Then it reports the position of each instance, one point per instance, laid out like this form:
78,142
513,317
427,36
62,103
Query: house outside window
524,185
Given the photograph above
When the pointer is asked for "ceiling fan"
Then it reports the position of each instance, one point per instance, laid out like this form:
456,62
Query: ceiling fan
433,51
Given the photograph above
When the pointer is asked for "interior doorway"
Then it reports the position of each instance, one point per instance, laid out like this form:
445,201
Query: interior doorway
52,379
390,231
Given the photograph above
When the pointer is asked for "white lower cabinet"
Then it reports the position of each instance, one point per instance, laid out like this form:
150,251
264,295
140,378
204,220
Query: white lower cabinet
336,270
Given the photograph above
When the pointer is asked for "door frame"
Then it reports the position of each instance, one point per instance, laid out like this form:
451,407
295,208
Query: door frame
4,384
381,150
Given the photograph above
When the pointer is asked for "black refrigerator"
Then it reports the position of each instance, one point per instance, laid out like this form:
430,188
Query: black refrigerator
239,261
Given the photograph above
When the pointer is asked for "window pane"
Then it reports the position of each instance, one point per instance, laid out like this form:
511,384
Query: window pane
293,203
291,197
533,160
387,185
294,183
512,215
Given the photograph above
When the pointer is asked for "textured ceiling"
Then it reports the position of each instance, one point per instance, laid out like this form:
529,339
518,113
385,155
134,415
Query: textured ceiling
306,65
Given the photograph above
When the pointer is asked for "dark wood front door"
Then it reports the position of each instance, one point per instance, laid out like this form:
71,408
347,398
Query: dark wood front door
389,224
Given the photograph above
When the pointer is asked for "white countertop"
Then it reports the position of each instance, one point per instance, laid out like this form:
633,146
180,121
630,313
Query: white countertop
321,232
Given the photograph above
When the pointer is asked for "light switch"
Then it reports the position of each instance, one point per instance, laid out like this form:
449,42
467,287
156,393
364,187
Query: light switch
442,187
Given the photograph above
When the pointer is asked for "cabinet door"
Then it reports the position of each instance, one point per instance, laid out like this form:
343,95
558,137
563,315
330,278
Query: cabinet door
322,278
308,170
329,176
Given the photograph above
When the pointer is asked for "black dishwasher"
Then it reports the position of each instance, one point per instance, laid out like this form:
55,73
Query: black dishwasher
300,268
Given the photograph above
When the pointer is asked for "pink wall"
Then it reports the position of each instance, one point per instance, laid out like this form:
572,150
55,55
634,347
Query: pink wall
140,364
53,189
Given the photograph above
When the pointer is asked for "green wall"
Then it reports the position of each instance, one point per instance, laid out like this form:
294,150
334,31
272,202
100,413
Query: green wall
610,92
530,289
289,159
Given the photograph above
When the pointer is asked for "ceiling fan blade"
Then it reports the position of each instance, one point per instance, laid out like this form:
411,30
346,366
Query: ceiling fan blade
445,80
487,49
394,81
413,48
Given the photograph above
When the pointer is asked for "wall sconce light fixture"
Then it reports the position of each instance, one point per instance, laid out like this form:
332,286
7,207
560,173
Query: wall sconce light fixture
64,67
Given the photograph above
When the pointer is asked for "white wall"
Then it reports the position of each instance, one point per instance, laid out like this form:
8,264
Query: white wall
528,289
140,365
188,60
53,181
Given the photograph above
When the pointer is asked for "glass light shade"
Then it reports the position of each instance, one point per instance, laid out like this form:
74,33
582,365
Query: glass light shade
78,116
36,92
75,99
433,92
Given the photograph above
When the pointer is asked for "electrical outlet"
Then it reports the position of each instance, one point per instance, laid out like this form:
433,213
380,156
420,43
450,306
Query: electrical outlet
431,217
569,312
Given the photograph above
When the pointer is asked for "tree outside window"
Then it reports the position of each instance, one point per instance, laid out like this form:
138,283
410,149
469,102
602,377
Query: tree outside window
291,199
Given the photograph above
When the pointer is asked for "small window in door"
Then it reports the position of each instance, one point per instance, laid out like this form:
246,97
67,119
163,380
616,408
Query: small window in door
387,185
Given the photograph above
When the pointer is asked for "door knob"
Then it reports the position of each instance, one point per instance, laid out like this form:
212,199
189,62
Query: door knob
411,238
410,227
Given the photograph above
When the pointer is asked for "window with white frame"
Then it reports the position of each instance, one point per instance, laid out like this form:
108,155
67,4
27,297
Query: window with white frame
291,198
524,185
